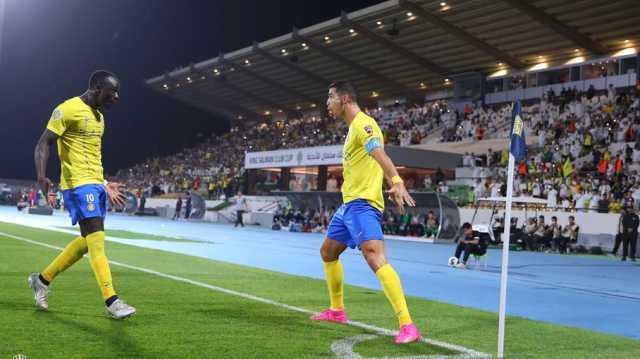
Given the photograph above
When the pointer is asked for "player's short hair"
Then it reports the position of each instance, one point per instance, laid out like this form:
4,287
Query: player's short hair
466,225
97,78
345,88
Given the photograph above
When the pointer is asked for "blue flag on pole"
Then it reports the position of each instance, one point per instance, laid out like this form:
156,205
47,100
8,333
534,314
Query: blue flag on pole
518,147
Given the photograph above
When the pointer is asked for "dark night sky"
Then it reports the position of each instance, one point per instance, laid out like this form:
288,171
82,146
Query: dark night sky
49,49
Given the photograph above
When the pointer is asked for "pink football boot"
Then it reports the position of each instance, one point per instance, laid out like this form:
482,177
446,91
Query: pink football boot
330,315
408,333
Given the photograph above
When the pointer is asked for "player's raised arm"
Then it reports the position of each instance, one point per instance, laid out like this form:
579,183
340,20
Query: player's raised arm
398,193
41,156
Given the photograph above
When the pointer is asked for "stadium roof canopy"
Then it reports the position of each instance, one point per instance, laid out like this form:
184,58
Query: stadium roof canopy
402,48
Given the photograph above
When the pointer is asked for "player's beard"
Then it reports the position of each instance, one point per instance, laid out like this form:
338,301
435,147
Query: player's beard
333,114
107,104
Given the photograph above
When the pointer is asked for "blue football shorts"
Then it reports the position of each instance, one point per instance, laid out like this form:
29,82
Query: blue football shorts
355,222
86,201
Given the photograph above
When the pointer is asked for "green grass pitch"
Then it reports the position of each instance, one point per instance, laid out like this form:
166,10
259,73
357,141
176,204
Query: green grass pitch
182,320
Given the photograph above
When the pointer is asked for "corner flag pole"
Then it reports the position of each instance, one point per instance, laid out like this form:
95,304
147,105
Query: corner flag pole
505,258
517,151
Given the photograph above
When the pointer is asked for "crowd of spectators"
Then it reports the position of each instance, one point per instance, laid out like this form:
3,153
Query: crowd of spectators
214,168
587,155
216,165
537,234
26,197
414,225
316,220
313,220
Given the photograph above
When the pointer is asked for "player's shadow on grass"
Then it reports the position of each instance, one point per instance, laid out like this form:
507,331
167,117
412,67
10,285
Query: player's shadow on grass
17,305
252,315
116,338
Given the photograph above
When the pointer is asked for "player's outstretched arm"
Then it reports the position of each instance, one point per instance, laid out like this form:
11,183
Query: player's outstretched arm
398,193
41,156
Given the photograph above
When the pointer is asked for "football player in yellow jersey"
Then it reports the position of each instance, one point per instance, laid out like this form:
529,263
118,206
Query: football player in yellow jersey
357,223
77,126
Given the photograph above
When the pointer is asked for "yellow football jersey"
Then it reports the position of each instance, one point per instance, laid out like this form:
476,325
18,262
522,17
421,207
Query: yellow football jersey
363,175
80,143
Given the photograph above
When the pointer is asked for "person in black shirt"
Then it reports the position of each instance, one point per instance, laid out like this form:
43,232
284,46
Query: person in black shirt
554,234
568,235
176,215
618,237
630,222
143,201
470,245
603,204
187,207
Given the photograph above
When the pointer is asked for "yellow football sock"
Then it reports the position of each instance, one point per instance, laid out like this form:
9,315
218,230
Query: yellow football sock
335,283
71,254
393,290
100,264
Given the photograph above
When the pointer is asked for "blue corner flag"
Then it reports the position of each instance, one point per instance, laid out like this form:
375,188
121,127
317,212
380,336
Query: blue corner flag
518,145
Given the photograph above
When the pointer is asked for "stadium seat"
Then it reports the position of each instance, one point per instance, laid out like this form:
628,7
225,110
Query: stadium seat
480,259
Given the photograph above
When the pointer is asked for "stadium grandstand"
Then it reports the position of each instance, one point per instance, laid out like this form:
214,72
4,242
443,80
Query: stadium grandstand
444,80
418,48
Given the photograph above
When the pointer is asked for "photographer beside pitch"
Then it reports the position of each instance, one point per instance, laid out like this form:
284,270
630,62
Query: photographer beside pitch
469,245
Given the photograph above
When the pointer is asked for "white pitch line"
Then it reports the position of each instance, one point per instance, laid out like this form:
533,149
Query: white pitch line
344,350
470,353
